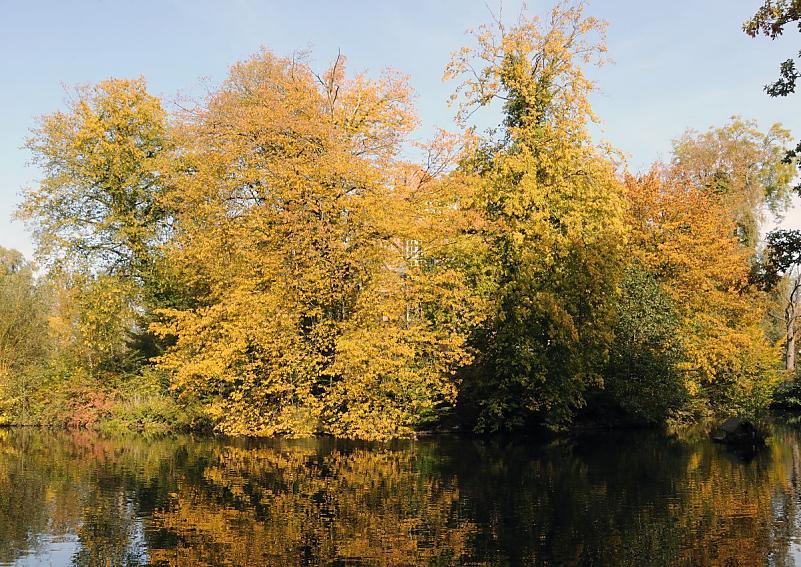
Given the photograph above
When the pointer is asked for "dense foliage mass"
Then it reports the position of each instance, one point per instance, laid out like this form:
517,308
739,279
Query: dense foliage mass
272,261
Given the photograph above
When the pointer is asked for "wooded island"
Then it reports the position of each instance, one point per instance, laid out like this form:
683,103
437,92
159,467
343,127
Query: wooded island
280,258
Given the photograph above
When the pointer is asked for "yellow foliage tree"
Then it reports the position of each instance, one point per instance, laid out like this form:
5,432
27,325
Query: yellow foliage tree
552,211
97,205
744,168
323,301
685,237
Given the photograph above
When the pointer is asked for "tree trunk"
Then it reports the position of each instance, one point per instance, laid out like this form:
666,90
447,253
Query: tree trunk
790,315
789,357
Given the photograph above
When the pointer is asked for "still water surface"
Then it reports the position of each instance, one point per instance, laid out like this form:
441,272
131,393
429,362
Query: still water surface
617,499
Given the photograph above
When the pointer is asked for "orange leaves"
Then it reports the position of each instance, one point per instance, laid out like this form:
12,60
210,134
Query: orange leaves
686,238
742,167
685,235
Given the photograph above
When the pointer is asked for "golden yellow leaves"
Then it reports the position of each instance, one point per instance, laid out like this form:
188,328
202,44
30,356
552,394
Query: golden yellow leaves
532,64
98,203
318,251
305,279
686,238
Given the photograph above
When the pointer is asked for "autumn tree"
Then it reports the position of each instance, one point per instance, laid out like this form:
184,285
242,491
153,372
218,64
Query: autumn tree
92,319
24,314
97,213
748,173
742,167
283,264
683,237
24,337
324,300
552,214
97,203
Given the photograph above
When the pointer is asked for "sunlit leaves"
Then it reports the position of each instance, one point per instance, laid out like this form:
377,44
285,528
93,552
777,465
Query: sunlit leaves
97,205
328,306
742,167
684,238
552,214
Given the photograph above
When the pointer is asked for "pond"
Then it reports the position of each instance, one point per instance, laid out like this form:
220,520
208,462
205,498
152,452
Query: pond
613,499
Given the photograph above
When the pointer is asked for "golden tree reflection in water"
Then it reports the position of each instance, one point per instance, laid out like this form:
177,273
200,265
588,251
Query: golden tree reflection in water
629,499
292,507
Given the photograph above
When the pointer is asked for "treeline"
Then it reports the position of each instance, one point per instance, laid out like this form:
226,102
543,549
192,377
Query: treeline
270,260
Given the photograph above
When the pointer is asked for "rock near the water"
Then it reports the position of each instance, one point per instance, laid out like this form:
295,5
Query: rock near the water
736,431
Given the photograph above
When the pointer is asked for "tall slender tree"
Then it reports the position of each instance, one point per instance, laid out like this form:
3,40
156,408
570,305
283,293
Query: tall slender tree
553,218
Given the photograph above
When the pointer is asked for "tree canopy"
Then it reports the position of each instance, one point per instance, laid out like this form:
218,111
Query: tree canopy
281,258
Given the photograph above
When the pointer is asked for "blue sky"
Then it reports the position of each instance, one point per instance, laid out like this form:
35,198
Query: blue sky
678,64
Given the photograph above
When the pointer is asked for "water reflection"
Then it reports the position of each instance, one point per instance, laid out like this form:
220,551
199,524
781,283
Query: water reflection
625,499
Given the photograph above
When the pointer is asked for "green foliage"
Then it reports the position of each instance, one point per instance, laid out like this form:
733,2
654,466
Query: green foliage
770,20
24,306
788,395
643,376
782,254
143,403
65,395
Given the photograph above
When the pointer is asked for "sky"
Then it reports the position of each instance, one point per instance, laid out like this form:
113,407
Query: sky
676,65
